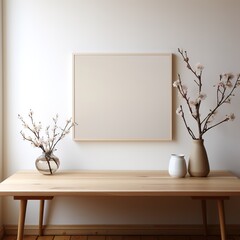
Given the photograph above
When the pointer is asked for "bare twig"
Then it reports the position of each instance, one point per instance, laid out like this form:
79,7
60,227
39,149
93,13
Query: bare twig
224,91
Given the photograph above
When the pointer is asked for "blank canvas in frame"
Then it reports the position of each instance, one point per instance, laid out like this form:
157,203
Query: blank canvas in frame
122,97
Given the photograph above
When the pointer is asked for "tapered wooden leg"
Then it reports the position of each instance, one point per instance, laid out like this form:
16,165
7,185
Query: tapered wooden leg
220,203
22,212
41,211
21,220
221,215
204,216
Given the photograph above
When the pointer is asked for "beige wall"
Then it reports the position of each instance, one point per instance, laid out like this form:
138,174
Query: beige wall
39,39
1,107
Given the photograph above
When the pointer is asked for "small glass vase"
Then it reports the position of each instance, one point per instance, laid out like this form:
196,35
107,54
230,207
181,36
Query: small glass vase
47,163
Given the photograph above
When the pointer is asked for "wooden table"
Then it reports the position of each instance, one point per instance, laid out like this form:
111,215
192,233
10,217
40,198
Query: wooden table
31,185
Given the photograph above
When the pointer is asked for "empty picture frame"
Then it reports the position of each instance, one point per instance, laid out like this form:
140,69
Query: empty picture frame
122,97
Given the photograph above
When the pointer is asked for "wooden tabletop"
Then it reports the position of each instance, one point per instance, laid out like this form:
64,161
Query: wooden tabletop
118,183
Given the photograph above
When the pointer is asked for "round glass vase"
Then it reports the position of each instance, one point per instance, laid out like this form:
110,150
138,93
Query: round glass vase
47,163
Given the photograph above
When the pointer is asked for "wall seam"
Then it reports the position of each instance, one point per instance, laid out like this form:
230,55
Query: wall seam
1,108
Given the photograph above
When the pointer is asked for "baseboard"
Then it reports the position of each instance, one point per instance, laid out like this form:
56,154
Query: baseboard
123,230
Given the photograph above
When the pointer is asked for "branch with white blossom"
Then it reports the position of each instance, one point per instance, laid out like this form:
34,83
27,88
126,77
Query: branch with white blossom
224,91
48,142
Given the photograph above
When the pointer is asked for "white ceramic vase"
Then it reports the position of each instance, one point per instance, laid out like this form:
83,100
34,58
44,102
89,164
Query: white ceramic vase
177,166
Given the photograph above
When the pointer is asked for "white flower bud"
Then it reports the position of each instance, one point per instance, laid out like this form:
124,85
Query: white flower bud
179,111
176,83
199,67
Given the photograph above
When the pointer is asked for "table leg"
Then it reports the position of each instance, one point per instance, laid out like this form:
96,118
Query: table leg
221,215
22,212
220,204
41,211
21,220
204,216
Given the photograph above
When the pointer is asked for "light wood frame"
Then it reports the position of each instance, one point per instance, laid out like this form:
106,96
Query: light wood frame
122,97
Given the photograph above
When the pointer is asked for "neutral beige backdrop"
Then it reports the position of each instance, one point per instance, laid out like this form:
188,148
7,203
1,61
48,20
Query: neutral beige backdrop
40,37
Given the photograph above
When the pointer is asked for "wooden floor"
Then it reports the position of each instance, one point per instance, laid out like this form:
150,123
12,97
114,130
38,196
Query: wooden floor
10,237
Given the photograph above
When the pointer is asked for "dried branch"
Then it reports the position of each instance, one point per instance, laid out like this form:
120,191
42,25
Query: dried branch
224,91
48,142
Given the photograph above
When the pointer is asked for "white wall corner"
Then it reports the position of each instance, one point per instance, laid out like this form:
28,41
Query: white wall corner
1,107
